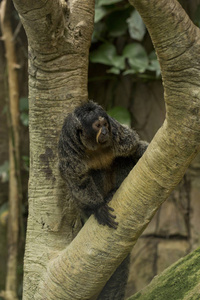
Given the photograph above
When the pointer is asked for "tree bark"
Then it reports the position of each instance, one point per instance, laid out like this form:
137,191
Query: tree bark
59,39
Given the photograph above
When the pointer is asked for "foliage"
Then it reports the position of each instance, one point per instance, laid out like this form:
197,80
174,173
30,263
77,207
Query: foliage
197,16
136,26
121,114
26,162
115,20
23,106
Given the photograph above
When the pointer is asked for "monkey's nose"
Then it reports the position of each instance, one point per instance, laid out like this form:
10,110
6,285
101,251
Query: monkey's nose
104,130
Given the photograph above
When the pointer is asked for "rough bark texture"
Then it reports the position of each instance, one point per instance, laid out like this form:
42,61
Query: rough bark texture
58,59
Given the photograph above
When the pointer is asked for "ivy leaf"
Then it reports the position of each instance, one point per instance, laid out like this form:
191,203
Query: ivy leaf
114,70
137,58
24,118
154,64
107,54
100,12
116,22
98,32
136,26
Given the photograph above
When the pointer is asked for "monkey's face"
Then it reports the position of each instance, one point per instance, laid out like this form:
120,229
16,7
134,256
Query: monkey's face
101,127
96,134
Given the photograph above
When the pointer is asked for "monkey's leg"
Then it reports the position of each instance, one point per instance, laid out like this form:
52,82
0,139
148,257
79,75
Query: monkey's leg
116,285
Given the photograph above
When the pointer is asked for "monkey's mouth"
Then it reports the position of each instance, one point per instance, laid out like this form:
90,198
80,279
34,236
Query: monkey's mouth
102,140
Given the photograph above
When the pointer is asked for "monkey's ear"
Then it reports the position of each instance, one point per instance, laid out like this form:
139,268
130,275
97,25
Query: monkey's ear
71,125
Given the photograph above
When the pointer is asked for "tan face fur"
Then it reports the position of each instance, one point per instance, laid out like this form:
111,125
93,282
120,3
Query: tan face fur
102,128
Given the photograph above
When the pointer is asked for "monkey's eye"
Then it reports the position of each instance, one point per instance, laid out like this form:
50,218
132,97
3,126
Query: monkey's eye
96,125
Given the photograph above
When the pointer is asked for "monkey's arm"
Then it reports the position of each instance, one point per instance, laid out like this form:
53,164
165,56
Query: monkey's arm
142,146
85,192
126,141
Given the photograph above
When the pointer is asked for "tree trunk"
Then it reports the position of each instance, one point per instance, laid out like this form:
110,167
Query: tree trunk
14,157
59,39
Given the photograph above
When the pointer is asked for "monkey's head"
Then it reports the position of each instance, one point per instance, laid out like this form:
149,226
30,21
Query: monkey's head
94,131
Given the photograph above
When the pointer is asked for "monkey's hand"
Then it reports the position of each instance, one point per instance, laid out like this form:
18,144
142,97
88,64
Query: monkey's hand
105,217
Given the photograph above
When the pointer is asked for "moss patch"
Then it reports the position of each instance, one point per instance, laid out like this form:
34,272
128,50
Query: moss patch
176,282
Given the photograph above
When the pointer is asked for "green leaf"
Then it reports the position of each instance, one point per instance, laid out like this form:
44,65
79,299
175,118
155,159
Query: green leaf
24,118
106,54
98,32
114,70
116,22
103,54
100,12
137,57
136,26
26,162
121,114
23,104
154,64
130,72
107,2
4,170
118,62
197,16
